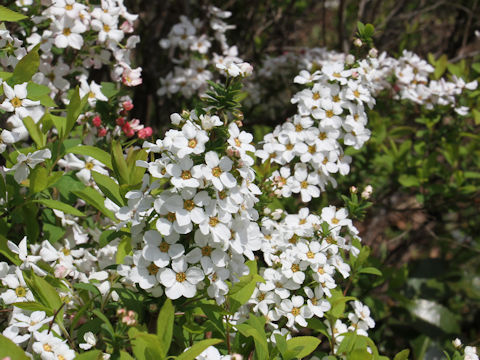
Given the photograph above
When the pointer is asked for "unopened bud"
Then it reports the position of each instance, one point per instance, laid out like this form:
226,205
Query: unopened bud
239,123
373,53
457,343
353,189
349,59
367,192
358,43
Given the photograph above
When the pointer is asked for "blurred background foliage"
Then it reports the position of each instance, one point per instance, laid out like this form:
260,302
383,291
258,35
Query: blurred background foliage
424,165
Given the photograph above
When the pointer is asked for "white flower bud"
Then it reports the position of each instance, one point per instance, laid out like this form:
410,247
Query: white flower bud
457,343
358,43
373,53
367,192
349,59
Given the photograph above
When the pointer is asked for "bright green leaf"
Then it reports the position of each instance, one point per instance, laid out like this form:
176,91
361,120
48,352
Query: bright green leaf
9,349
58,205
197,349
26,67
94,152
370,270
165,322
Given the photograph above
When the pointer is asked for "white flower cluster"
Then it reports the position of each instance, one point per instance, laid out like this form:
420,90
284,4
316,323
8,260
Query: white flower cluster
308,147
191,51
96,36
205,219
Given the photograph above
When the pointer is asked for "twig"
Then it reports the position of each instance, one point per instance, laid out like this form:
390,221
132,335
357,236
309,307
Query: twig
54,316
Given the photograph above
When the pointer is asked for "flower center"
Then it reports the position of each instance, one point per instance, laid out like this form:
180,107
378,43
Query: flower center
336,98
213,221
356,93
310,255
322,135
335,221
302,221
321,271
153,269
298,128
293,239
47,348
295,311
295,268
325,161
106,28
66,251
206,250
89,166
304,184
314,301
337,75
216,171
171,217
316,96
188,205
329,113
181,277
192,143
237,142
67,31
289,146
91,94
20,291
68,7
164,246
312,149
186,175
261,297
16,102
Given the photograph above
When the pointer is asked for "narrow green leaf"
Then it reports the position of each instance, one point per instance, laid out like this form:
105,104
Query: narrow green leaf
8,349
119,164
93,152
123,249
45,293
88,287
165,322
38,179
58,205
109,187
370,270
74,109
108,324
40,93
408,180
95,199
35,132
5,251
26,67
33,306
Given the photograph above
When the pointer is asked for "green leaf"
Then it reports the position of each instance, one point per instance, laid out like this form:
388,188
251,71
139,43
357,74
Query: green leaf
145,346
119,164
301,346
337,300
7,347
108,324
123,249
74,109
135,172
197,349
125,356
95,199
109,187
90,355
26,67
109,89
370,270
40,93
255,327
53,233
88,287
34,130
440,67
58,205
45,293
38,179
33,306
165,322
402,355
476,116
93,152
408,180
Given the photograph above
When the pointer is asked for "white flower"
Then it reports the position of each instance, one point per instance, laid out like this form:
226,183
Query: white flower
90,341
16,100
25,162
217,171
181,280
295,311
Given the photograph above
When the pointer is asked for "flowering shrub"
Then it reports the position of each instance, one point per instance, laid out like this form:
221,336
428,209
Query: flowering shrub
122,247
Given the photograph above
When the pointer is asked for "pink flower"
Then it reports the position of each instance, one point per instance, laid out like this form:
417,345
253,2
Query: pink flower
127,129
145,132
120,121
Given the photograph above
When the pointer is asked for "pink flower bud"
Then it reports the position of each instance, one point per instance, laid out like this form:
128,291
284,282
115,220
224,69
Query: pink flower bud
127,105
96,121
126,27
102,132
120,121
